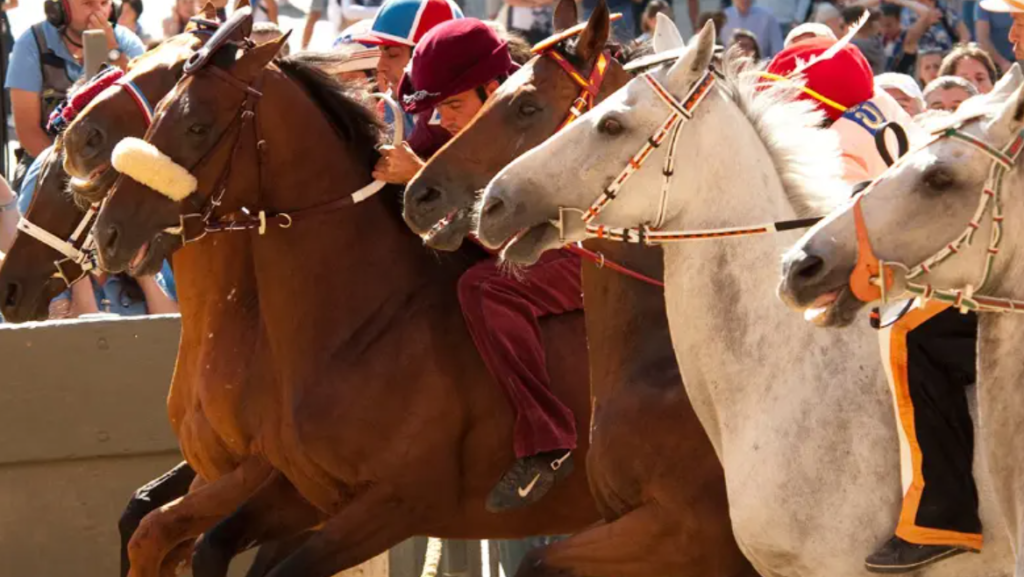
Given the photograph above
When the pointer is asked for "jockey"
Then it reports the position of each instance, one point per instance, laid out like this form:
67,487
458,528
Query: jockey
929,352
455,68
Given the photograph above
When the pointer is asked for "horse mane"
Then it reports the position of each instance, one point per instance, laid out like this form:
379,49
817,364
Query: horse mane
623,53
808,159
353,121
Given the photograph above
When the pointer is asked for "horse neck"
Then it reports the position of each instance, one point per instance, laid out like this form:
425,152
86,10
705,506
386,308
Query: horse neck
345,273
618,306
740,349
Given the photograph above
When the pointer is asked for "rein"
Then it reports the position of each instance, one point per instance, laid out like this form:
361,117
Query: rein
866,280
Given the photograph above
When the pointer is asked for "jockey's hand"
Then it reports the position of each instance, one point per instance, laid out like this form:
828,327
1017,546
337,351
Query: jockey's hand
98,22
397,165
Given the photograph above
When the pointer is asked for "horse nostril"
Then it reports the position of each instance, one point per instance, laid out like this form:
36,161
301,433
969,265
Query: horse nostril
110,241
493,207
428,195
11,296
809,267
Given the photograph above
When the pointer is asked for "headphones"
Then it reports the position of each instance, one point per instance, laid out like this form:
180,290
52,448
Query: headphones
58,12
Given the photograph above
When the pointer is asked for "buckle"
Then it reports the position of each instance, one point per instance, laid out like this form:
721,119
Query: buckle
579,106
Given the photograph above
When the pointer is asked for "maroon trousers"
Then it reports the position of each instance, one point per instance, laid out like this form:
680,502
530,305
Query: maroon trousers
502,314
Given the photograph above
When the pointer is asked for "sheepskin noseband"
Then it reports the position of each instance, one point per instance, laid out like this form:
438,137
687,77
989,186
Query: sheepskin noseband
145,164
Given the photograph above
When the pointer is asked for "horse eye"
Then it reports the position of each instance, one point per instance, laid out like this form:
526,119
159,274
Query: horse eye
198,129
528,109
610,126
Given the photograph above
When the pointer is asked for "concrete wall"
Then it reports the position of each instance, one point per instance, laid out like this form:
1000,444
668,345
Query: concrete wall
83,423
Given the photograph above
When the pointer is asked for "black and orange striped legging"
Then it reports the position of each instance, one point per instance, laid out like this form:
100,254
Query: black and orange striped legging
930,361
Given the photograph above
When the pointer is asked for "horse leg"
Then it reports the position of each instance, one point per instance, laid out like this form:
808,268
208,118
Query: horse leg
651,540
369,525
156,493
191,515
271,554
276,510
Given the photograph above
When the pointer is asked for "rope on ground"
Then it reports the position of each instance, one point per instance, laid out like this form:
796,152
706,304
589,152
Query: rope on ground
432,558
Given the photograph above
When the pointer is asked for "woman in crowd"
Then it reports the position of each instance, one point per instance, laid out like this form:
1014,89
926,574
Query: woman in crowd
970,62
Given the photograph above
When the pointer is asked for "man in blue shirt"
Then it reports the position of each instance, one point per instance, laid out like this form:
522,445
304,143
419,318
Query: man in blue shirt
744,15
992,30
34,75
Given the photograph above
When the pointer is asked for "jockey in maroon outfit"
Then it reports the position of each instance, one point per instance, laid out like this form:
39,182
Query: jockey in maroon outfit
455,68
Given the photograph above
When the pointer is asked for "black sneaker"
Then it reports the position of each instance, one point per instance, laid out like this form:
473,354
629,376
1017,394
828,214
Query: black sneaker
529,479
899,556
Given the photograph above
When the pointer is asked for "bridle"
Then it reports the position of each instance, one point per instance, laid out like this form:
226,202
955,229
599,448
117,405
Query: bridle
866,280
79,249
194,226
680,112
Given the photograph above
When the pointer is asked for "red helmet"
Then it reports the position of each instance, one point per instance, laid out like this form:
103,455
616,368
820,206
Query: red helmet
835,83
453,57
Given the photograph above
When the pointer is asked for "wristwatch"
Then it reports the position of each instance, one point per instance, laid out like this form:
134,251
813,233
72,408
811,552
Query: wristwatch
114,55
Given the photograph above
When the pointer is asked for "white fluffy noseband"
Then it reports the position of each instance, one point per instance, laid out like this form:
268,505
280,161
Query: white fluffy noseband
145,164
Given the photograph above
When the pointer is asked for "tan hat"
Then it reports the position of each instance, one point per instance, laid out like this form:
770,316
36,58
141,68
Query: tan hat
1003,5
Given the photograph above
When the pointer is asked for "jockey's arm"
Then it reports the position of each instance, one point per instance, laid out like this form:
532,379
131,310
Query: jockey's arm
271,6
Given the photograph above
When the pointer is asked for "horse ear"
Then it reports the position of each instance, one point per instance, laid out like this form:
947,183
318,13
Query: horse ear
666,35
256,59
696,59
210,11
1007,84
566,15
595,35
239,4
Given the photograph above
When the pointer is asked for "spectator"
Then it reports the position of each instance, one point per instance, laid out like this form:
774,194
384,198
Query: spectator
265,10
47,59
1016,33
534,18
806,31
947,93
827,14
892,29
129,18
928,64
973,64
398,27
8,217
717,18
904,91
263,32
869,37
744,14
745,44
945,26
181,13
992,30
650,19
119,294
518,47
352,11
350,63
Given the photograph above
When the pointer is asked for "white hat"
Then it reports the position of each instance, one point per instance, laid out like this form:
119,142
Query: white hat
901,82
815,29
1003,5
824,11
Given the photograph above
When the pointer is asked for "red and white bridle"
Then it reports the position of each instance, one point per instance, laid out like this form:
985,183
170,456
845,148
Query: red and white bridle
680,112
865,281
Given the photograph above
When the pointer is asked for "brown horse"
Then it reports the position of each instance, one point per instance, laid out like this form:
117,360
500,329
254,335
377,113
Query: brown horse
350,399
27,281
653,472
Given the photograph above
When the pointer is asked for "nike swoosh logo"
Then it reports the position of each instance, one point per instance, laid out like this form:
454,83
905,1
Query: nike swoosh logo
524,492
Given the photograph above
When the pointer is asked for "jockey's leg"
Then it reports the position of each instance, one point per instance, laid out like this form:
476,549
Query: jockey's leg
502,314
931,356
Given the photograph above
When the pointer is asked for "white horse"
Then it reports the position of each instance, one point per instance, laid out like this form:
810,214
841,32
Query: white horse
910,213
801,418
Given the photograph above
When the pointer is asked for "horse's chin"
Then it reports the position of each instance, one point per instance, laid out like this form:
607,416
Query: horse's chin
146,260
527,246
94,188
448,234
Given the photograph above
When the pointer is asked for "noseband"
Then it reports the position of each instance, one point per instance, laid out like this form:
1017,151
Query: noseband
866,280
79,249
